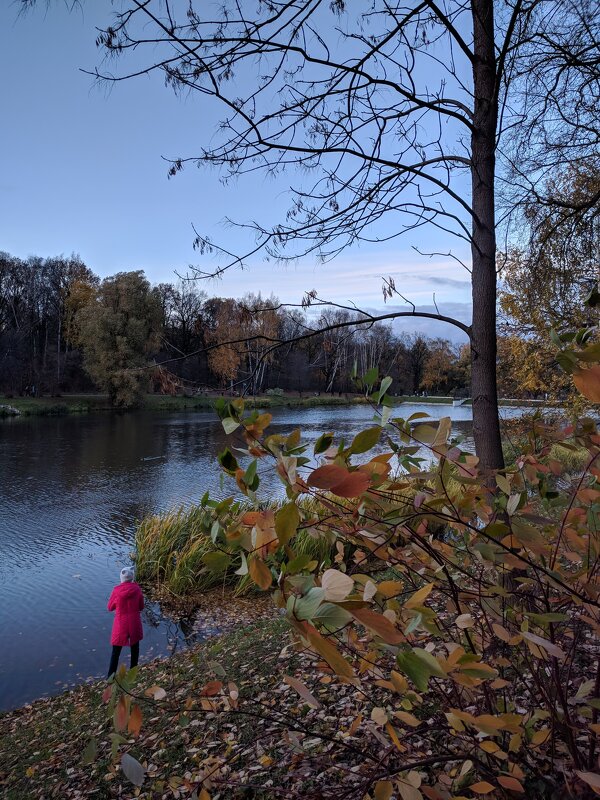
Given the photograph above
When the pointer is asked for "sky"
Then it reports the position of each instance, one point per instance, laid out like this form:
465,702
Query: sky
82,169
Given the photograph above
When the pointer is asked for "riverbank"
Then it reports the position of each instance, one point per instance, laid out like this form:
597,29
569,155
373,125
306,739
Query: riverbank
86,404
272,744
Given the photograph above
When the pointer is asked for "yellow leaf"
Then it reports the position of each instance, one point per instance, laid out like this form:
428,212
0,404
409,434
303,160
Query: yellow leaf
383,790
389,588
489,747
539,737
515,742
419,596
407,719
399,681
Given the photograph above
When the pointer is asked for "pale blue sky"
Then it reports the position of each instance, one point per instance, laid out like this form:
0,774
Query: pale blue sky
81,171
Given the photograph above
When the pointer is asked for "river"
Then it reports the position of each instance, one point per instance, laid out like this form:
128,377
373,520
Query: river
72,489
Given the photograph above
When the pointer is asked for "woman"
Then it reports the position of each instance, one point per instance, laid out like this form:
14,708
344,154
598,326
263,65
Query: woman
127,601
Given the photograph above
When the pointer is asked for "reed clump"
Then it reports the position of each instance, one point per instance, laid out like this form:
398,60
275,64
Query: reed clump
171,546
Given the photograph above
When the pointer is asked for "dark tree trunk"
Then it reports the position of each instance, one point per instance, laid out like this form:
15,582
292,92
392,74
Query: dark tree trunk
486,427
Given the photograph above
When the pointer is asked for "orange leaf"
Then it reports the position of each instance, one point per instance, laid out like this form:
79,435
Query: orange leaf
379,624
354,485
120,715
407,718
327,476
588,382
259,572
250,518
394,737
135,720
211,689
483,787
512,784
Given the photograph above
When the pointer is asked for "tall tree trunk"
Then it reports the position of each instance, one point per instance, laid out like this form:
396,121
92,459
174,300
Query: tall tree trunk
486,426
58,351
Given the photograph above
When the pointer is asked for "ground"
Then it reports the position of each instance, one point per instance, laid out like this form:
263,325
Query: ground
272,744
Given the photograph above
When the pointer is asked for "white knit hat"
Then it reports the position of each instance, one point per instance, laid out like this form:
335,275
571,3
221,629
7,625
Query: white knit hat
126,574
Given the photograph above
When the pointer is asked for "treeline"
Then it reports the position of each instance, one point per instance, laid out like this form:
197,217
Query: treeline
62,329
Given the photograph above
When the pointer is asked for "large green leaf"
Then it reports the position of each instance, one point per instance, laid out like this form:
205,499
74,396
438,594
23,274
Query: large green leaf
306,607
419,665
332,617
323,443
286,522
365,440
216,561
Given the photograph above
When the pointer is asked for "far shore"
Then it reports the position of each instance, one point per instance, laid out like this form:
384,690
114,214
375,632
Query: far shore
95,403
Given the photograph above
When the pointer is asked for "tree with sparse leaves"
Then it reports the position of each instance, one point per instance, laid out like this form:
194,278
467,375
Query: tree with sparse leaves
397,111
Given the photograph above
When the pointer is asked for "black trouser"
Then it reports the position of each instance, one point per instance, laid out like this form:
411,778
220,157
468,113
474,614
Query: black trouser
116,652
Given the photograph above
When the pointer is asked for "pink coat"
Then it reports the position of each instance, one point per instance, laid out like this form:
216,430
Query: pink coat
127,600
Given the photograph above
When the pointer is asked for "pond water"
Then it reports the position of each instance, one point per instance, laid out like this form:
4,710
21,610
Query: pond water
71,491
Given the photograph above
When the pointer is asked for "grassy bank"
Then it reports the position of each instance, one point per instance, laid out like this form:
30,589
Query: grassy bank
96,403
85,404
184,737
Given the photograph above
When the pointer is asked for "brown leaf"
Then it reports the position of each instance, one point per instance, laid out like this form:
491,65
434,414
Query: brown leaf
325,649
354,485
512,784
259,572
302,690
379,624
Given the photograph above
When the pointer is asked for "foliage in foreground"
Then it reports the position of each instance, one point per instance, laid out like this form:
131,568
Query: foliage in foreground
494,625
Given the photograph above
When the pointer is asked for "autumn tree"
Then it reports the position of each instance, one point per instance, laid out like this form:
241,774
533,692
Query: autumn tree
396,111
222,323
119,332
546,281
441,372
